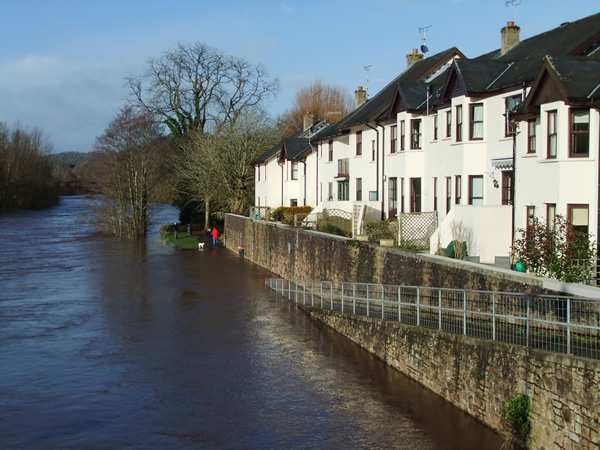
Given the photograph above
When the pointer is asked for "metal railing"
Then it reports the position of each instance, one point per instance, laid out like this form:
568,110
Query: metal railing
569,325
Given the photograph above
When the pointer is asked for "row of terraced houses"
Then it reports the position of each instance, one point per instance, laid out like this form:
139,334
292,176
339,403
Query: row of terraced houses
487,143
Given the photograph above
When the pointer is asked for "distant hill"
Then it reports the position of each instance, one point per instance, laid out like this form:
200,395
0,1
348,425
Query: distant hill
68,159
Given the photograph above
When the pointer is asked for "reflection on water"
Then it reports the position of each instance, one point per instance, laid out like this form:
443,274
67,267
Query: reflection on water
109,343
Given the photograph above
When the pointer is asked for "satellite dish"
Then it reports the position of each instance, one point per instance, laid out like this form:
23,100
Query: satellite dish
424,49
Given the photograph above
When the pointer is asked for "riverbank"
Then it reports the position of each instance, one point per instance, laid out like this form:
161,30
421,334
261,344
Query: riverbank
188,236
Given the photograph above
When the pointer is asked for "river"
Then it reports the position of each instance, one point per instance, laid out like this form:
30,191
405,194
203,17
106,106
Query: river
109,343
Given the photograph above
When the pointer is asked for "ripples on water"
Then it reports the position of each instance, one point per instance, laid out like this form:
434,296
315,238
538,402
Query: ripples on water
111,343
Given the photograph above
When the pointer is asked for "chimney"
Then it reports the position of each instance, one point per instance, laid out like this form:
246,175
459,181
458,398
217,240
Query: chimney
308,119
413,57
360,96
510,37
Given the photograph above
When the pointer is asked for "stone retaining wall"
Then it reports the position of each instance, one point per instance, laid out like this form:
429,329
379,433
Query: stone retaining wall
478,376
475,375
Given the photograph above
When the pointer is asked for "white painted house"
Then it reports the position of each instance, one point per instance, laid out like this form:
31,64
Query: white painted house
483,142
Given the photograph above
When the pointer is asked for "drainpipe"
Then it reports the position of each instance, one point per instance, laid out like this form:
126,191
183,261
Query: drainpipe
281,165
376,159
382,170
304,200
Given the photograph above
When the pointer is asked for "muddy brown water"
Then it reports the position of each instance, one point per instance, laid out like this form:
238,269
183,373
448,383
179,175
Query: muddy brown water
107,343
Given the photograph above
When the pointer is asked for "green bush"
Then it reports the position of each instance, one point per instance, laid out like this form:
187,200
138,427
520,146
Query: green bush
285,214
516,411
332,229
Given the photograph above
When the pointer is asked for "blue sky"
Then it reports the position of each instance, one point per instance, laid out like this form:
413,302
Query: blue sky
63,62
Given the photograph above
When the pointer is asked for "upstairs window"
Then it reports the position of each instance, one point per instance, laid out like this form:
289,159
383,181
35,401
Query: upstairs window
358,143
580,133
331,150
294,170
459,123
435,127
457,189
448,124
373,150
552,137
393,139
476,128
531,136
415,126
402,135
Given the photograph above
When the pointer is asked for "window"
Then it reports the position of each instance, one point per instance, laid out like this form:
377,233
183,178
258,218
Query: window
435,127
448,124
579,217
476,128
459,123
343,191
294,170
402,135
530,216
580,133
435,194
476,190
511,104
550,216
402,195
531,136
415,195
507,190
415,126
343,166
373,150
293,202
393,198
393,139
330,191
448,194
258,171
359,189
330,149
358,143
457,189
551,153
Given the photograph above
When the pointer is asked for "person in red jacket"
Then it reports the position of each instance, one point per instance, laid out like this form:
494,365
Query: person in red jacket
215,237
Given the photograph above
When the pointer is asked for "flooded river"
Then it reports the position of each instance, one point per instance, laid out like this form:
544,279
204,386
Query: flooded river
108,343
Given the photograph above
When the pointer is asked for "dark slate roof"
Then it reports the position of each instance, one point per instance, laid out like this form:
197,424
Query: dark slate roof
378,106
477,76
580,77
569,39
293,149
266,155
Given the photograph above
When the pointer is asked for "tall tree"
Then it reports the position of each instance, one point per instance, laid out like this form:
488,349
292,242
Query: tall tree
25,169
325,102
194,87
216,169
128,170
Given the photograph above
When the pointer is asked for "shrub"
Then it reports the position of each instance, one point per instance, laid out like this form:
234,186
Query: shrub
286,214
554,252
332,229
516,411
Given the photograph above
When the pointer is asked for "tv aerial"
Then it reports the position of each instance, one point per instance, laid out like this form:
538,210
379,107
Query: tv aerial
514,3
366,68
423,30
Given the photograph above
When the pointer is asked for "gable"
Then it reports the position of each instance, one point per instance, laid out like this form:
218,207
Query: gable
455,86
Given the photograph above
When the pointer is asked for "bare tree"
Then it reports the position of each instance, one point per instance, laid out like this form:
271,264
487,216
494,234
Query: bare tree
127,167
194,87
325,102
216,169
25,169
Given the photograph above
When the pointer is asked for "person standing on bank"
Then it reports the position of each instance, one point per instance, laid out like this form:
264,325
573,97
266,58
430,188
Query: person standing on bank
215,236
175,230
208,237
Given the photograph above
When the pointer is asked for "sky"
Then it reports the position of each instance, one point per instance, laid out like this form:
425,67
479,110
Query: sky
63,63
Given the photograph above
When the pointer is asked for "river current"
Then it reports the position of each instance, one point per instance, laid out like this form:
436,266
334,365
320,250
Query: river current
109,343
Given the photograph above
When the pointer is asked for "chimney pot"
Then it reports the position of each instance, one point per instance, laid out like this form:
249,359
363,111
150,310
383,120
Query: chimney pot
510,24
415,51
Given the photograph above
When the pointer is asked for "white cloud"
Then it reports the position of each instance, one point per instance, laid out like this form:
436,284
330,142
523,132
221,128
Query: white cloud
287,9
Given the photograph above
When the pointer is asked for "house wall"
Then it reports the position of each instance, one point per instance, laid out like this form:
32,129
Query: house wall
562,181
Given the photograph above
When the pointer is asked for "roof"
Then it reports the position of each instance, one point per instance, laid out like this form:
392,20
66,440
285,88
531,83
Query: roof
579,38
580,77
